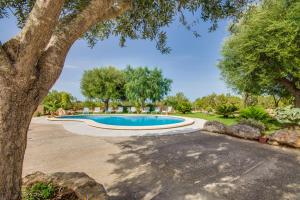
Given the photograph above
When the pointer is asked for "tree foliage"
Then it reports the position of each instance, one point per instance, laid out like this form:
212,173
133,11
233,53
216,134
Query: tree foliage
213,101
145,20
179,102
55,100
104,84
226,110
262,55
144,84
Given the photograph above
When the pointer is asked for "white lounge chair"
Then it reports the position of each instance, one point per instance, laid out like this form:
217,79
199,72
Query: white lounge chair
86,110
146,110
169,110
120,110
132,109
157,110
97,110
109,110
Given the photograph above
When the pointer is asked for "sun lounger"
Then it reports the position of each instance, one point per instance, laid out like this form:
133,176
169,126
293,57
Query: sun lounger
97,110
120,110
86,110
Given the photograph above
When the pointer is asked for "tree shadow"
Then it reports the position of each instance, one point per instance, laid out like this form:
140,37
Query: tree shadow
200,166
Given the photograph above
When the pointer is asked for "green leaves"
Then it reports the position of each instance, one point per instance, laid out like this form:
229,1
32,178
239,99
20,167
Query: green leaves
226,110
55,100
147,19
288,115
264,48
103,83
39,191
253,112
144,84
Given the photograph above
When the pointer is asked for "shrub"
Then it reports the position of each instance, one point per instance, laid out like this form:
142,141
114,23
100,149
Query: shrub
254,112
254,123
39,191
226,110
184,107
288,115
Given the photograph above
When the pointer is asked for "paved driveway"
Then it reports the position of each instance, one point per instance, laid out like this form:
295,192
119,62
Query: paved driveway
194,166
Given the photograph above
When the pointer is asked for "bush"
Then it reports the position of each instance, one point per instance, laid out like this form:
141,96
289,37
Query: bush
226,110
184,107
254,112
288,115
254,123
39,191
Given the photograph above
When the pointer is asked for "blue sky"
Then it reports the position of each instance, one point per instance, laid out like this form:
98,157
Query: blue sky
191,64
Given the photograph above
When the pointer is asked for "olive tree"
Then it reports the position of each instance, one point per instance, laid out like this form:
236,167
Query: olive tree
105,84
144,84
262,55
32,61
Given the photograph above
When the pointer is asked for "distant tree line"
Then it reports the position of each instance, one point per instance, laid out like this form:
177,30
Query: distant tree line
135,85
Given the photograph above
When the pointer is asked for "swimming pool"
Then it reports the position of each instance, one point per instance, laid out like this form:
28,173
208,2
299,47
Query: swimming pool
129,122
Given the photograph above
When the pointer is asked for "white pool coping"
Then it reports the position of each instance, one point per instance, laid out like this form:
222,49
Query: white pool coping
187,121
81,128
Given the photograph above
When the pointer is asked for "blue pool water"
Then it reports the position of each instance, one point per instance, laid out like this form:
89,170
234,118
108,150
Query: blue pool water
128,120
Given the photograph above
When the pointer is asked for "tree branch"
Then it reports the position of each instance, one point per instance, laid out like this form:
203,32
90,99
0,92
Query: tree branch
35,35
52,60
5,65
289,85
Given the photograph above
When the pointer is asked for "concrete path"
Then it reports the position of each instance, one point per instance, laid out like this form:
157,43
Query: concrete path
81,128
193,166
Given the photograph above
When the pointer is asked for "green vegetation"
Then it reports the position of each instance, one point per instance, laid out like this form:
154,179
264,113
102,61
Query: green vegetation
262,54
254,112
144,84
213,101
288,115
226,110
39,191
184,107
103,84
211,117
179,102
55,100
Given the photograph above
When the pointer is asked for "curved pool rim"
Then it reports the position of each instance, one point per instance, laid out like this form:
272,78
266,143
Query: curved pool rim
187,121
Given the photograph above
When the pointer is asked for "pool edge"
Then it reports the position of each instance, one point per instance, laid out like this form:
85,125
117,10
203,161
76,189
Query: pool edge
187,121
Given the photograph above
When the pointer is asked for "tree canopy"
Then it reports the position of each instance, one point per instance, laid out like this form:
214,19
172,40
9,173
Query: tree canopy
32,61
103,84
262,54
55,100
144,19
144,84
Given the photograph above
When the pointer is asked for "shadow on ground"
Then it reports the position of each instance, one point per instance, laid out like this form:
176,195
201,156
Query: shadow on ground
203,166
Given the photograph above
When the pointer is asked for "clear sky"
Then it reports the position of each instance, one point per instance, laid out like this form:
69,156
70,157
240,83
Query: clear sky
191,64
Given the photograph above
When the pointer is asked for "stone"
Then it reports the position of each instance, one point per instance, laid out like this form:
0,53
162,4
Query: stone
289,137
244,131
84,186
215,127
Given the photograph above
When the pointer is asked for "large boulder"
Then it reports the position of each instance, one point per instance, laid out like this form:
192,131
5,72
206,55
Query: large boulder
215,127
84,186
290,137
244,131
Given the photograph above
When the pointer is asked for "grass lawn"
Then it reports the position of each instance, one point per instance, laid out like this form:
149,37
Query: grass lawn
272,126
211,117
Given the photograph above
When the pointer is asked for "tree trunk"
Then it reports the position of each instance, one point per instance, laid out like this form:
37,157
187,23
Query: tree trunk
293,89
106,104
16,110
30,63
297,100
